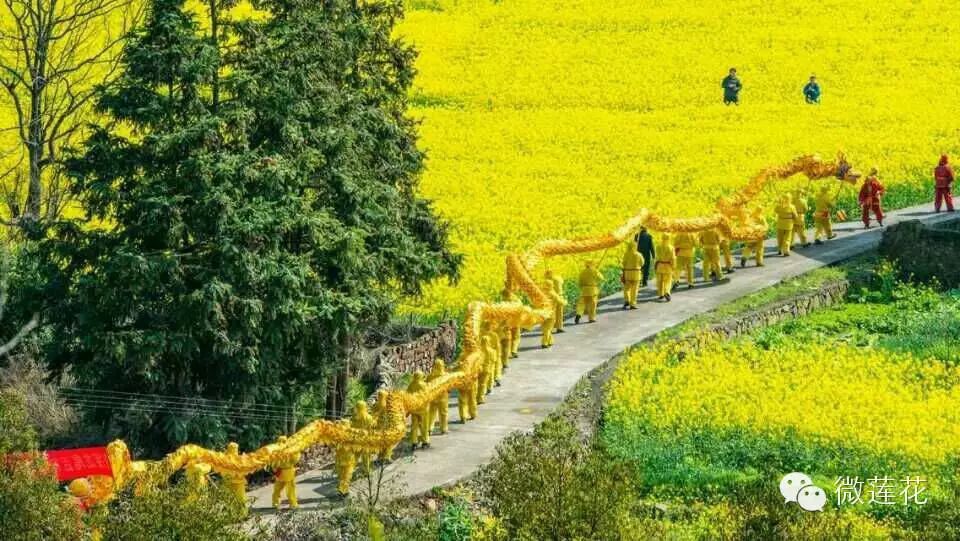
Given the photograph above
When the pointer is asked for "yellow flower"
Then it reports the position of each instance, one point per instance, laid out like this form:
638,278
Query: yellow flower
866,397
560,119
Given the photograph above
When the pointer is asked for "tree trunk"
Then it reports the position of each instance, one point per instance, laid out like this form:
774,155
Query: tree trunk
215,34
337,393
337,389
35,131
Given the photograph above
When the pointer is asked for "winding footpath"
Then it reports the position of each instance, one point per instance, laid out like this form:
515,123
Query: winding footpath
539,379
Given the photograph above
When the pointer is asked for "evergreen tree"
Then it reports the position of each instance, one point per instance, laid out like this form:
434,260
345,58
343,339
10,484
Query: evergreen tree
251,210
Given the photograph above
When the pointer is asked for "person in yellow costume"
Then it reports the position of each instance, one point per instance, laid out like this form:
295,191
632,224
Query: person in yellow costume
488,359
589,282
345,460
363,420
630,275
197,475
800,226
440,406
726,252
558,289
82,494
664,268
505,336
508,295
235,482
418,418
467,400
285,475
496,361
786,218
710,240
548,325
754,247
685,244
382,417
824,203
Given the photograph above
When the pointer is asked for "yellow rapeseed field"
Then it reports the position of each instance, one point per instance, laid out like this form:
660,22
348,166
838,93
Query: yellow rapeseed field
554,119
864,397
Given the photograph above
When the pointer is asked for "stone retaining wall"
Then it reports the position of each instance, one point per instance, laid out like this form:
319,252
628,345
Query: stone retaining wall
827,294
923,253
391,362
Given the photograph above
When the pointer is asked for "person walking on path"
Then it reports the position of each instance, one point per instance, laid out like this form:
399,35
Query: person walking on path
631,265
871,199
731,88
727,252
754,247
800,225
943,178
589,282
685,244
786,218
557,280
823,206
648,250
710,240
811,91
664,268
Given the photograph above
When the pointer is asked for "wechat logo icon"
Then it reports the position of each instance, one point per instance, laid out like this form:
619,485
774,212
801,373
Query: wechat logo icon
797,487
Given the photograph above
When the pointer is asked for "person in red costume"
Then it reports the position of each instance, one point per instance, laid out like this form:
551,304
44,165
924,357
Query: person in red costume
943,176
870,198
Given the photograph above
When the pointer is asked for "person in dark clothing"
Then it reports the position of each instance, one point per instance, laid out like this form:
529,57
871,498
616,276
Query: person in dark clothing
648,251
811,91
731,88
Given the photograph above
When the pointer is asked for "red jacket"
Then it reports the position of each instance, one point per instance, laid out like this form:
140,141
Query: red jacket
943,174
871,192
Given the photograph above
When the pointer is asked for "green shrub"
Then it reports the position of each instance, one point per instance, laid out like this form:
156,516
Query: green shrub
456,522
33,507
318,526
174,512
16,432
552,485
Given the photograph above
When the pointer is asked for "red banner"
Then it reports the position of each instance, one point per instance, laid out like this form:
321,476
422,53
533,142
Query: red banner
73,463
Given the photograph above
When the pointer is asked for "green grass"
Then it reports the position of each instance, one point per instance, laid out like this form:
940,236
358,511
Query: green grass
711,466
856,270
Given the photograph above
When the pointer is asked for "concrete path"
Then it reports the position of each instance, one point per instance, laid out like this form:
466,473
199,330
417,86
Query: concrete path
539,379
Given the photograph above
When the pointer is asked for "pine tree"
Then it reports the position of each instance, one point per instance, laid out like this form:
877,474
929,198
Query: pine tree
237,242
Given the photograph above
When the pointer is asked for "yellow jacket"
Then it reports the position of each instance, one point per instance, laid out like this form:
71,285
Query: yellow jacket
549,287
666,258
710,238
800,203
558,283
685,243
632,259
823,204
786,215
590,282
285,467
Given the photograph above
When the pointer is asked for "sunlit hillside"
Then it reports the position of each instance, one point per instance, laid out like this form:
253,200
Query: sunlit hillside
552,119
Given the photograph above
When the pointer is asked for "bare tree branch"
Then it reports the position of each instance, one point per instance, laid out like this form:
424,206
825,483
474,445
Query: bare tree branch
58,53
21,334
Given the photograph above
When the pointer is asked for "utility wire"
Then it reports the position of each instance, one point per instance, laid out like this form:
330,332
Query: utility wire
121,395
186,410
127,400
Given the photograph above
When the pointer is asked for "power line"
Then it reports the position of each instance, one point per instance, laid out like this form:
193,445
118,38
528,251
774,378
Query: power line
184,410
183,405
171,398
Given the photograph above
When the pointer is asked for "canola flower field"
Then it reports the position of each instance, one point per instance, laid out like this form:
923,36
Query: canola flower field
560,119
859,390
